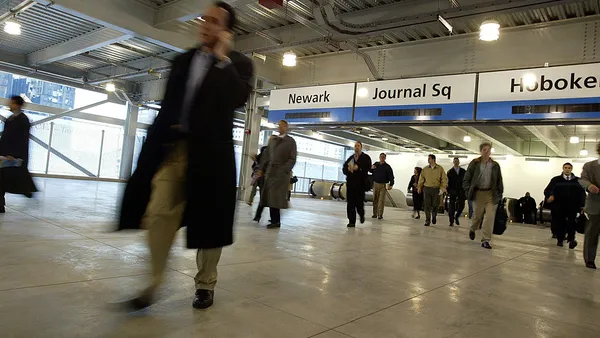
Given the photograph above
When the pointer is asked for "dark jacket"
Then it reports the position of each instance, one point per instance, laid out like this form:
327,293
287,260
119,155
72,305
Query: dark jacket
568,195
210,124
455,183
358,180
527,204
277,164
472,177
382,173
15,142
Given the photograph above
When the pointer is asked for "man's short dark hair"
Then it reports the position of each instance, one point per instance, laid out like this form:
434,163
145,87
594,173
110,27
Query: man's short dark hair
227,7
383,154
456,158
359,143
484,144
18,100
569,164
432,156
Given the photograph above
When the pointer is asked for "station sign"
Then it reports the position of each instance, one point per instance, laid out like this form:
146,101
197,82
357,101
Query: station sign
442,98
312,104
540,93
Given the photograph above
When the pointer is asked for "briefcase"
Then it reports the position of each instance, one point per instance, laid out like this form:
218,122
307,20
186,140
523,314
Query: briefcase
500,220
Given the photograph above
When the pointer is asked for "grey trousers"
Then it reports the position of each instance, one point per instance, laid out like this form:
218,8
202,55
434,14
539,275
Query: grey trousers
590,244
431,197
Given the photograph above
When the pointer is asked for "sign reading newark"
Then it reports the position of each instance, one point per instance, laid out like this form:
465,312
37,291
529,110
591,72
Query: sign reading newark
540,93
432,98
312,104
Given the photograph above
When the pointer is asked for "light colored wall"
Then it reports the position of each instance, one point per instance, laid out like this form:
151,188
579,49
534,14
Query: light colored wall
520,176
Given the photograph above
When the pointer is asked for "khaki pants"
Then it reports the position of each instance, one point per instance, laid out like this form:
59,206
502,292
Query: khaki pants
379,190
163,218
485,214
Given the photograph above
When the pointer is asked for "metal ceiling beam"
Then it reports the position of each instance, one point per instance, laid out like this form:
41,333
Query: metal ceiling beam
81,44
55,111
128,17
185,10
21,7
544,134
449,134
404,132
404,17
500,138
69,112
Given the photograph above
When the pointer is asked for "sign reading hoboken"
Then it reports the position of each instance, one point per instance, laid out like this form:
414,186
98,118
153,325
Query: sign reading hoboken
432,98
555,92
312,104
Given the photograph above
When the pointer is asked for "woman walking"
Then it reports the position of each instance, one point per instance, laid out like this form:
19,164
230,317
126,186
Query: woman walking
417,197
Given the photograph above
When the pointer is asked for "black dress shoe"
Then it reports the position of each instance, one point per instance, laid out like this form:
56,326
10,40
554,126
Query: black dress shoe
456,221
274,226
362,219
204,299
451,224
374,216
559,243
572,244
590,265
472,235
380,217
427,224
256,219
2,210
486,245
351,225
433,220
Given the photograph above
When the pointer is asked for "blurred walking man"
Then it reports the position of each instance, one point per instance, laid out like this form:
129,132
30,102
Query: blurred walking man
590,181
169,188
456,193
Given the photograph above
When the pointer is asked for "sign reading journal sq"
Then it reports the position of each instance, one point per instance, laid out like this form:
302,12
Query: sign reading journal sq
540,93
312,104
431,98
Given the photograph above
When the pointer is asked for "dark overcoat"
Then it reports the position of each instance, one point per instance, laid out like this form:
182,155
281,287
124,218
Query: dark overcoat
277,164
211,174
15,142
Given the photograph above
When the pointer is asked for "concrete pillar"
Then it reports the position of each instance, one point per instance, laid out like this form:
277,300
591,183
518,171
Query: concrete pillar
250,145
129,131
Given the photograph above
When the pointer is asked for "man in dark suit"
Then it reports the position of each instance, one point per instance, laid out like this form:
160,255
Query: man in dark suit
356,168
170,185
568,200
456,193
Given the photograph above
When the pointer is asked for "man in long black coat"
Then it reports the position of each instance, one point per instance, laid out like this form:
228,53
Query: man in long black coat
356,168
174,184
14,144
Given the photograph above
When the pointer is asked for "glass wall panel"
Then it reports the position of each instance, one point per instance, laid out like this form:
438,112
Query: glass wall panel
111,151
140,137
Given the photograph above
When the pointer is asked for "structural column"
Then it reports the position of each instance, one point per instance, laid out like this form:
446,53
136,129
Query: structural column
250,144
129,132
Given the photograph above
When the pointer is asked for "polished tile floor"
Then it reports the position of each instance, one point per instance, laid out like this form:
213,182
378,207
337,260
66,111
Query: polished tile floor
62,269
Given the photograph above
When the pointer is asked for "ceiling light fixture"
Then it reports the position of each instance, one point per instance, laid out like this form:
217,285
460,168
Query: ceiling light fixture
384,139
583,152
489,30
289,59
493,150
467,138
12,27
110,87
574,139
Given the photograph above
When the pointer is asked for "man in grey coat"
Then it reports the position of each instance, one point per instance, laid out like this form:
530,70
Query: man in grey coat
590,181
276,166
